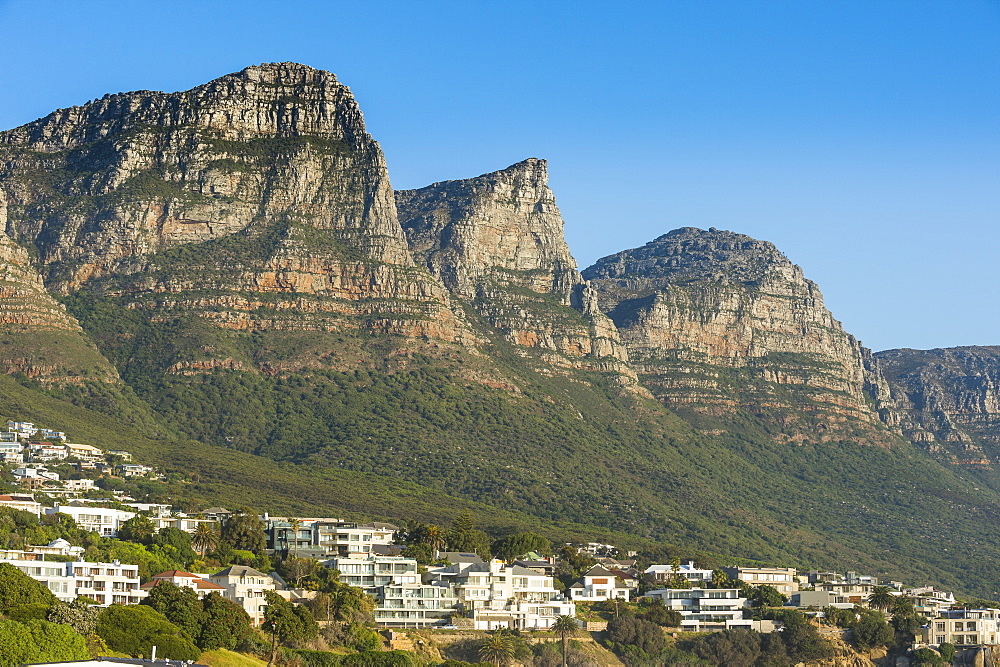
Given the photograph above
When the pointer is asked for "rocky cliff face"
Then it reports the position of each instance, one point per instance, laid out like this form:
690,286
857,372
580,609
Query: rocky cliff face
950,400
256,200
497,242
37,336
718,322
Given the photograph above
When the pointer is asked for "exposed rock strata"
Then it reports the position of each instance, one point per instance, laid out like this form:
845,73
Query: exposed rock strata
950,399
37,336
257,199
497,242
718,321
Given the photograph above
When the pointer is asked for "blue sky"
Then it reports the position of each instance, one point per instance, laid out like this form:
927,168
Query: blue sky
862,138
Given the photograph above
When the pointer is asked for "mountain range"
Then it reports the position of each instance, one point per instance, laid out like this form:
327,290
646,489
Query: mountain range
224,280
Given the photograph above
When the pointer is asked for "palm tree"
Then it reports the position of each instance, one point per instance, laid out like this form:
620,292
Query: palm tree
565,626
434,538
205,537
294,525
497,649
880,598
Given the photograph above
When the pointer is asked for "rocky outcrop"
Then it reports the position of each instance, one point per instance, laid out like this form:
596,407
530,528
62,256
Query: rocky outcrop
496,241
950,400
37,336
257,200
717,322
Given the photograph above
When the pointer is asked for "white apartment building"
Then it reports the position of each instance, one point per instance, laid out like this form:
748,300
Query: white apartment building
705,609
694,575
24,430
84,452
11,452
413,605
245,586
501,595
42,452
598,584
369,572
101,520
25,503
963,627
104,583
783,579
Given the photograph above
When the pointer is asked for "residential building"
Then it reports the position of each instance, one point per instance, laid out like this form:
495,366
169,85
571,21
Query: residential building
188,524
78,484
783,579
929,601
21,502
855,592
598,584
500,595
57,547
245,586
11,452
324,537
963,627
821,599
196,582
9,436
84,452
104,583
705,609
695,576
122,454
40,452
24,474
133,470
415,605
24,430
49,434
101,520
369,572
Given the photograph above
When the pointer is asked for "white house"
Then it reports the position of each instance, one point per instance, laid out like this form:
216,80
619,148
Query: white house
501,595
11,452
245,586
24,430
598,584
963,627
102,520
705,609
23,473
694,575
21,502
41,452
196,582
84,452
783,579
104,583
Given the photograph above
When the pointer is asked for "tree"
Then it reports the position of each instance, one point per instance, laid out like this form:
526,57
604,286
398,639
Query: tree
880,598
659,614
39,641
297,569
497,649
766,596
179,605
434,538
631,631
293,527
244,530
565,626
175,543
721,580
803,640
738,647
205,538
288,623
80,614
138,529
135,629
511,547
17,588
225,624
871,631
420,553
